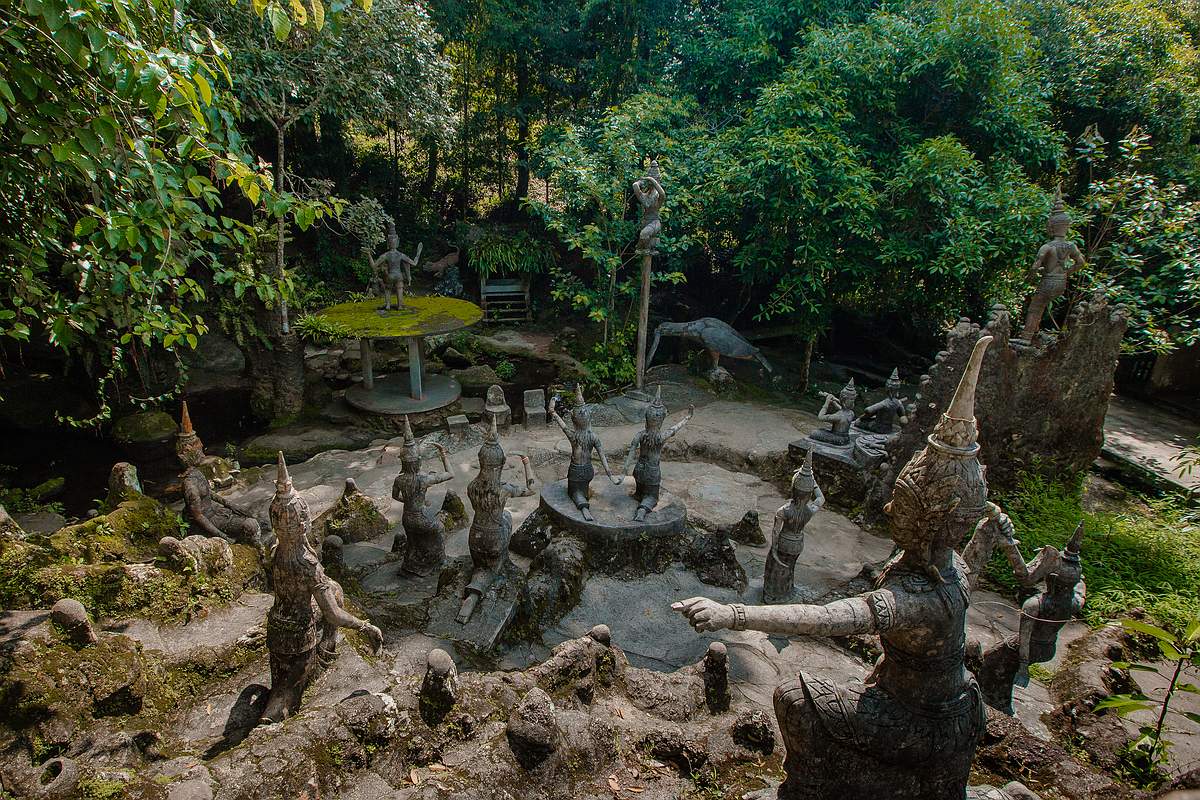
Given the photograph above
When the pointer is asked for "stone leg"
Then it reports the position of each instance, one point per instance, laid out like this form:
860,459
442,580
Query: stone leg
1033,317
579,480
290,675
646,495
995,673
426,548
779,576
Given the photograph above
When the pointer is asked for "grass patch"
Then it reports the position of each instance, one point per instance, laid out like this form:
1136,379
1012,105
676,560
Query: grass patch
1144,555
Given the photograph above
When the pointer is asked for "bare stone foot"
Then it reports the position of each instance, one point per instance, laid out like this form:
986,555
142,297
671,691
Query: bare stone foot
586,513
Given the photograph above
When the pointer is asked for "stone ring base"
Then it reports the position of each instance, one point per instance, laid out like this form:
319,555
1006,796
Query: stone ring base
613,508
392,394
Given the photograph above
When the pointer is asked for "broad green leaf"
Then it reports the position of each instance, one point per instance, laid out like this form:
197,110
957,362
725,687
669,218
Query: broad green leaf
299,12
1138,626
203,87
318,13
281,23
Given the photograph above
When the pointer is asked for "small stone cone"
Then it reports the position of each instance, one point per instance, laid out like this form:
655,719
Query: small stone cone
1059,207
895,376
492,434
185,421
957,426
409,439
1075,545
283,480
579,394
658,395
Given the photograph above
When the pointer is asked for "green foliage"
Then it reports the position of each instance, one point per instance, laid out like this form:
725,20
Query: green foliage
611,364
1147,755
505,370
320,330
1147,557
499,253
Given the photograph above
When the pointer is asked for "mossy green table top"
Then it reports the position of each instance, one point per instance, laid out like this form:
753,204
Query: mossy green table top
420,316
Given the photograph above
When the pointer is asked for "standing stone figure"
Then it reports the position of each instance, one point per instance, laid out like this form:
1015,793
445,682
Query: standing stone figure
1051,262
646,448
491,527
910,730
583,441
425,533
211,512
787,540
399,268
650,195
888,414
309,606
839,413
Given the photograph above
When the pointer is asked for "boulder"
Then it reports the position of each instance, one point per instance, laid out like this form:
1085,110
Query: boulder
532,730
476,379
146,433
455,360
355,517
72,619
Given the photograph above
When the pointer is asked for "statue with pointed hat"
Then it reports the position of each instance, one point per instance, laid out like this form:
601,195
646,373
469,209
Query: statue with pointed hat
646,450
398,270
491,525
1057,260
309,606
911,728
425,535
208,510
886,416
787,538
839,413
583,441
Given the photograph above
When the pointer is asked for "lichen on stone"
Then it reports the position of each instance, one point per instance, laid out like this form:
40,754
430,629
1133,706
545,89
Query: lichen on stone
420,316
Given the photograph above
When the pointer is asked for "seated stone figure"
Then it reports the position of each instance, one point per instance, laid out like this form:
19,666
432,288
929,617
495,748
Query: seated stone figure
910,730
645,455
839,413
886,416
425,535
202,555
210,512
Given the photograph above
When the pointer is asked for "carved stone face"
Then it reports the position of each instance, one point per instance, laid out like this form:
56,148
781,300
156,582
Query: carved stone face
848,398
393,242
1058,225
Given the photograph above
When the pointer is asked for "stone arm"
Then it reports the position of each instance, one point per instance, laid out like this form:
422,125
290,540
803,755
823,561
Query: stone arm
376,261
514,491
1078,262
824,414
874,408
839,618
335,614
434,478
599,448
777,526
678,426
192,501
1035,571
1039,263
445,460
1080,596
631,454
562,425
818,501
234,507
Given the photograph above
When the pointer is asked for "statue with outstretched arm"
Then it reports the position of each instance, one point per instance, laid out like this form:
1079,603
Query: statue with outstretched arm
1057,260
399,268
425,535
787,536
646,450
583,441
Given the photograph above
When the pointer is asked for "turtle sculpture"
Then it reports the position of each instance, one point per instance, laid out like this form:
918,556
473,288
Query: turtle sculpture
717,337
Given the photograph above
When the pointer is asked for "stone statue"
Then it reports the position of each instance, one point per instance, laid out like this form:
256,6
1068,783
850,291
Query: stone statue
650,195
1052,264
426,535
646,448
491,527
583,441
399,268
308,609
211,512
889,414
188,447
839,413
911,728
717,337
787,540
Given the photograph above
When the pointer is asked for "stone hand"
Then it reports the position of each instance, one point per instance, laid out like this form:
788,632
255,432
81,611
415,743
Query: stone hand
374,636
704,614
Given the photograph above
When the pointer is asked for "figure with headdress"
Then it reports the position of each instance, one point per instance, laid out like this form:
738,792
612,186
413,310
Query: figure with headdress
583,441
1057,260
309,605
839,413
911,728
211,512
425,535
787,539
646,449
398,270
888,414
491,525
651,197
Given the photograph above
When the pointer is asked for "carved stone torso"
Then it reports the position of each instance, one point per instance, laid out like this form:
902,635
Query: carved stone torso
648,468
885,416
1051,610
197,494
411,489
292,623
394,263
582,444
791,533
491,524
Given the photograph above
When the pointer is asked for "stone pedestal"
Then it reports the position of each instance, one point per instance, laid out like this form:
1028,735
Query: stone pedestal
535,407
493,614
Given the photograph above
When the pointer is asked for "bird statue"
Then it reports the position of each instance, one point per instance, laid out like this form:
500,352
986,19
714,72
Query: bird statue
717,337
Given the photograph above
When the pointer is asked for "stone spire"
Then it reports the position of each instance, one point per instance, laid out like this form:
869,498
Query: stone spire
1075,545
283,480
894,379
185,421
957,428
491,454
656,411
410,452
805,480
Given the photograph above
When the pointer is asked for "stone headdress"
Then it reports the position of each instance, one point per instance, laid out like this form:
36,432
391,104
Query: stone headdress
491,454
941,493
804,480
290,516
188,446
581,415
393,238
1070,570
1058,214
411,454
656,412
848,394
893,381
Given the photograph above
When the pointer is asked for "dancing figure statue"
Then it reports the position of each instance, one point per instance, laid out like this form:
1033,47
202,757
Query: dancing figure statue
886,416
646,449
491,527
399,268
309,606
583,441
911,728
1056,261
839,413
787,539
425,534
650,195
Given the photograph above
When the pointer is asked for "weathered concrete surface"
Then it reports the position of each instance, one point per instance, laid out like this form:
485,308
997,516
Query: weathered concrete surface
1149,439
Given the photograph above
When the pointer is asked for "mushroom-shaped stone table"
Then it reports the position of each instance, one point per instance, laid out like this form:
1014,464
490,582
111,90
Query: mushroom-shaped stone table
417,318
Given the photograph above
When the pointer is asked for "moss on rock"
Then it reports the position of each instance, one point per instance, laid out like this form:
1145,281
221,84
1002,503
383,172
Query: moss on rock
144,427
420,316
129,532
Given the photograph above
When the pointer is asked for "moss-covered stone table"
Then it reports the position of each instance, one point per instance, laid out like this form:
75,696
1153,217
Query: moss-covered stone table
418,318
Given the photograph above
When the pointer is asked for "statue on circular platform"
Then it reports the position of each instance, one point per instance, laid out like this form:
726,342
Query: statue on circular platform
398,271
425,547
1057,260
839,413
911,728
787,540
646,449
309,605
889,414
583,441
651,197
491,525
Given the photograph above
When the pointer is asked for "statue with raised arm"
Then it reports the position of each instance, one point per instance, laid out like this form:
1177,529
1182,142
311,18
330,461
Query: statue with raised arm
491,526
583,441
839,413
888,414
651,197
787,538
425,534
646,449
398,271
1057,260
911,728
309,606
209,511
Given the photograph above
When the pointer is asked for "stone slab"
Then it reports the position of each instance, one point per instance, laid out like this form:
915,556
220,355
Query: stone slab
613,508
391,394
457,424
493,613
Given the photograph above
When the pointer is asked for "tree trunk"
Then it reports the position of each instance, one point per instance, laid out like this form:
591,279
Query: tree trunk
431,169
806,364
522,189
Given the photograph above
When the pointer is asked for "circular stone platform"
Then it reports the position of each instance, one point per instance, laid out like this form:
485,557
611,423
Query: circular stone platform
392,395
613,507
420,316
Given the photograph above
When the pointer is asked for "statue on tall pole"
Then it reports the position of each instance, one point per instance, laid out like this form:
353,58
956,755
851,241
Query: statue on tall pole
651,196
